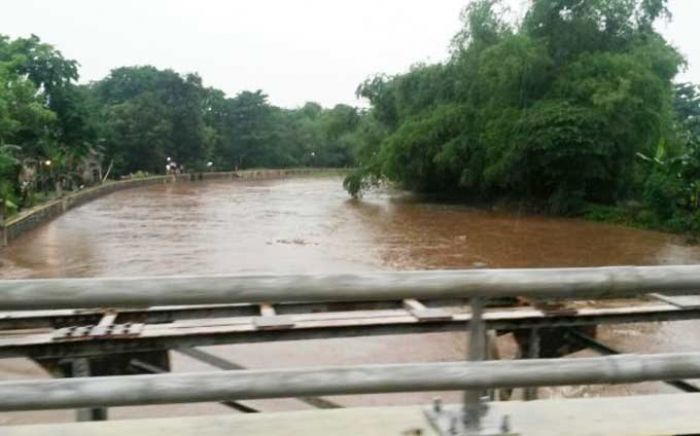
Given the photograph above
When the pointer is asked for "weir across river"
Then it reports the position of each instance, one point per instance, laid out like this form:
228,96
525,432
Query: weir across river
124,327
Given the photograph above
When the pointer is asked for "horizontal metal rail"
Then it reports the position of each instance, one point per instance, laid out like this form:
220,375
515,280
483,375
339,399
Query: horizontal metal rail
256,384
609,282
606,350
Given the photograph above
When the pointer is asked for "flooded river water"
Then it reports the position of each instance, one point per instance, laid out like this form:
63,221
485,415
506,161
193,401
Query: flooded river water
311,225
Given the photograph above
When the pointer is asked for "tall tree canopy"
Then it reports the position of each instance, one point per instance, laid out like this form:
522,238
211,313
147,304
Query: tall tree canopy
554,111
42,113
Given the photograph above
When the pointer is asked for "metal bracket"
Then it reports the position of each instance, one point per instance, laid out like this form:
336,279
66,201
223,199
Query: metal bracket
453,421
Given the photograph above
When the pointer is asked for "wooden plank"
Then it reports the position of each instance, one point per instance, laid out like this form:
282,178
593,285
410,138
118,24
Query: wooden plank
266,309
273,322
423,313
269,320
108,319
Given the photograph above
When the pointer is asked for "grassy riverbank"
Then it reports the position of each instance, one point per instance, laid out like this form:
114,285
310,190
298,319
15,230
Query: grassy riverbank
633,214
637,216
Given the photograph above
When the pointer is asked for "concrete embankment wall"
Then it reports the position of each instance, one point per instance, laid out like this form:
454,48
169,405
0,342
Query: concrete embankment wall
261,174
36,216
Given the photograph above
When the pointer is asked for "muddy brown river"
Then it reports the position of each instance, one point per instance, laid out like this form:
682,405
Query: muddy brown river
311,225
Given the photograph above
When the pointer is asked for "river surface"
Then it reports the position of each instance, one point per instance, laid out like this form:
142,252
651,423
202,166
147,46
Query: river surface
311,225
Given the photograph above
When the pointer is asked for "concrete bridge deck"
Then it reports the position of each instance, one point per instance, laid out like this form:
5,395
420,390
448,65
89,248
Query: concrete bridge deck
631,416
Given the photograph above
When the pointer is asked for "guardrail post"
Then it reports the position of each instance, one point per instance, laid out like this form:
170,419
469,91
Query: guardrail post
472,418
533,352
473,402
80,367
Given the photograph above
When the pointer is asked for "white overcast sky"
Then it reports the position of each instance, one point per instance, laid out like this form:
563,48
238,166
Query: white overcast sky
294,50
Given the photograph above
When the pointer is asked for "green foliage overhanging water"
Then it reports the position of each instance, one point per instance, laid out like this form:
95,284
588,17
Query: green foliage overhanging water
573,106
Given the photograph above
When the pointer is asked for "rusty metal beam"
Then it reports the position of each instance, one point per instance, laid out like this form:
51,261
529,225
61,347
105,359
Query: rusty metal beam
164,336
165,314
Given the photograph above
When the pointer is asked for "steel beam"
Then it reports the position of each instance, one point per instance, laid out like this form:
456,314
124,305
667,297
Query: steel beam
601,348
165,314
152,369
237,385
158,337
568,283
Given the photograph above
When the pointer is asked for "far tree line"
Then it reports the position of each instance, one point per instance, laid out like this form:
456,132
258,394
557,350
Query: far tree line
57,134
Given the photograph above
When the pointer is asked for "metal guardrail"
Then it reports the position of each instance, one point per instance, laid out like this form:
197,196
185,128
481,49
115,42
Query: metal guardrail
474,377
611,282
369,379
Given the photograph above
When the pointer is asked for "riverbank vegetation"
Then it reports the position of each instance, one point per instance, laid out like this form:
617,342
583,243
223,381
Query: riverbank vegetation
571,110
56,134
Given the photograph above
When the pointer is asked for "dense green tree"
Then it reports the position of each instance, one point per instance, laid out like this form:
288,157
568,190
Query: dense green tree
137,117
554,111
251,122
138,135
151,114
687,108
253,133
37,84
